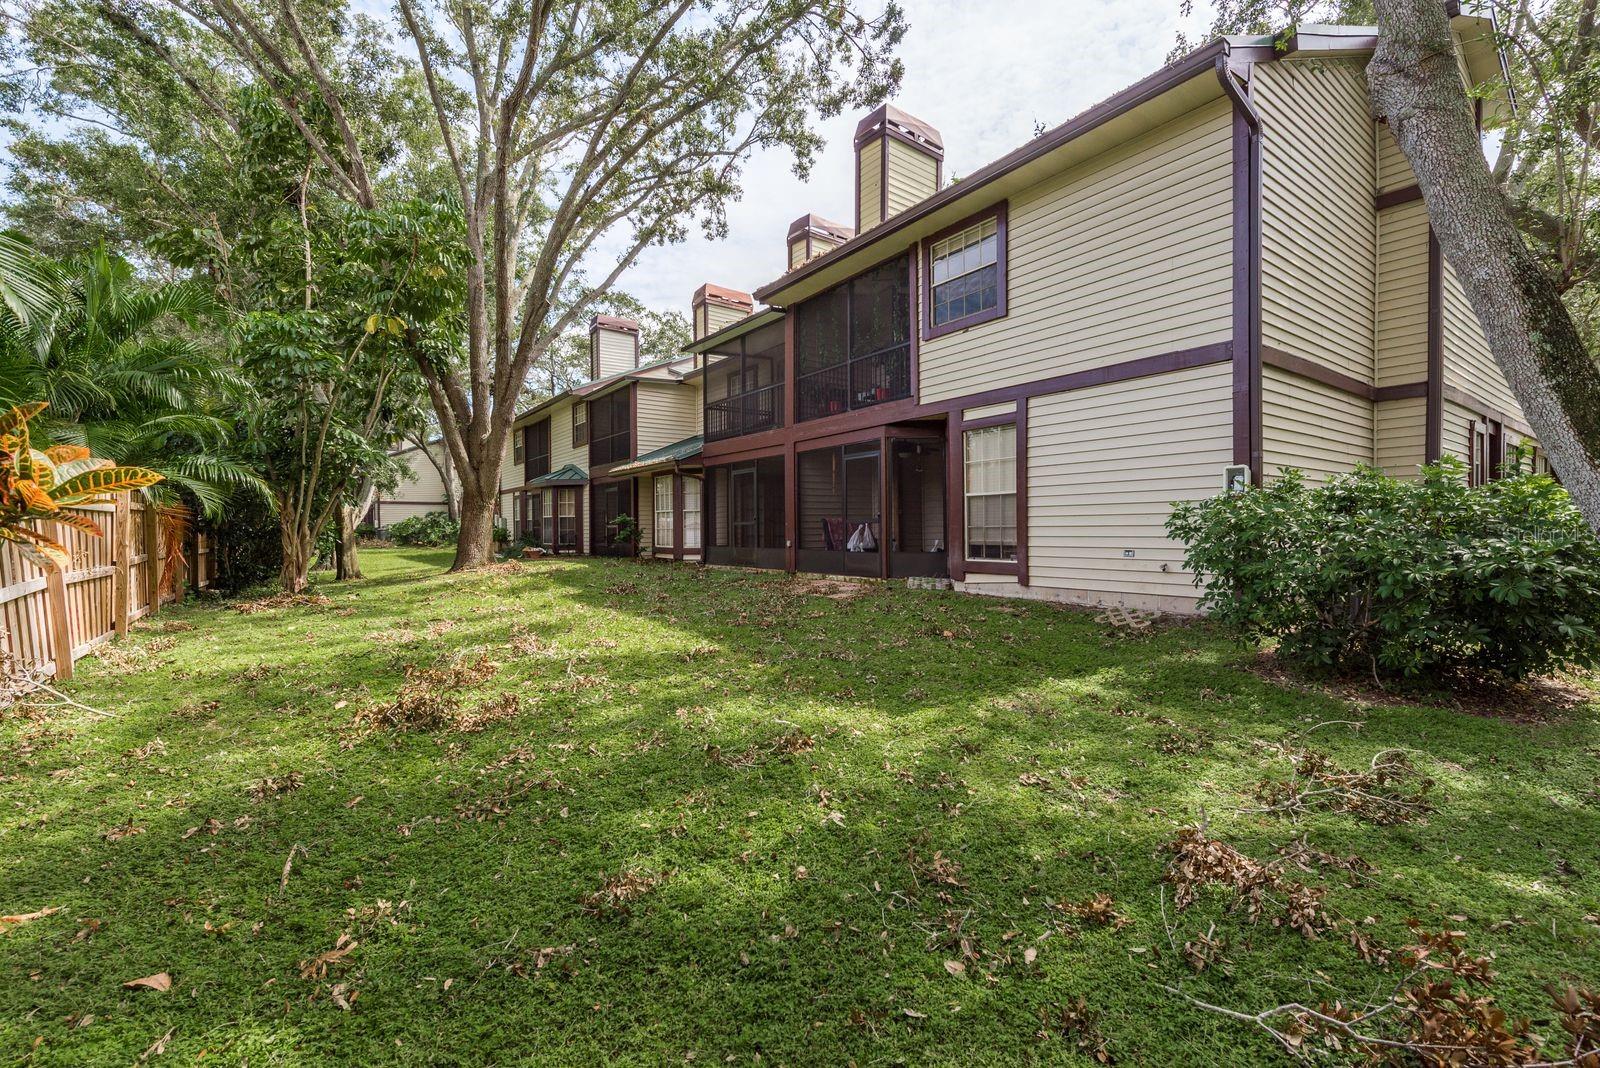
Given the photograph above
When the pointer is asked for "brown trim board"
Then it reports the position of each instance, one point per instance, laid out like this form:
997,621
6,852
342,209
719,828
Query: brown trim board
1460,396
1327,376
1395,197
1433,438
1246,355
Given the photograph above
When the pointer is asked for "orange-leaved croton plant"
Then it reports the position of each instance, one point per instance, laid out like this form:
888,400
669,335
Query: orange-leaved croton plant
37,485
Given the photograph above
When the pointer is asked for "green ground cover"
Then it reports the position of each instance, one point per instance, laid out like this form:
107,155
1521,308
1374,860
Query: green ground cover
728,819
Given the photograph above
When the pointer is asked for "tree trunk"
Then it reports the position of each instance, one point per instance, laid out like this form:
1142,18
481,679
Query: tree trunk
295,538
473,544
1416,85
347,564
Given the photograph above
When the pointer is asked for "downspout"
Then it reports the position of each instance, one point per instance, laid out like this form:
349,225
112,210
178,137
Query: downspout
1247,449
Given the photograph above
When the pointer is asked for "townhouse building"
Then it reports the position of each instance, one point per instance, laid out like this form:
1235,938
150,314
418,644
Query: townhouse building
1224,270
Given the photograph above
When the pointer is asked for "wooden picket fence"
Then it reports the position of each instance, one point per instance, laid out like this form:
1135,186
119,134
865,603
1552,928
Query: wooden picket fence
50,619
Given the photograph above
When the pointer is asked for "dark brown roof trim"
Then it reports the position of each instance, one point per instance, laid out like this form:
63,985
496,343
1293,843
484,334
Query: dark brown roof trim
890,120
710,293
1460,396
613,322
820,227
1141,92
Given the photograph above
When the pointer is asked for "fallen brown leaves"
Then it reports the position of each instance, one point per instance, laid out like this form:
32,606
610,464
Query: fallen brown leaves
428,700
317,967
1390,791
282,600
272,786
1262,890
158,982
18,919
1098,910
620,892
1076,1023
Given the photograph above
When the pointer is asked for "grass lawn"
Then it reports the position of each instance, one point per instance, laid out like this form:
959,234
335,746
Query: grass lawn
726,821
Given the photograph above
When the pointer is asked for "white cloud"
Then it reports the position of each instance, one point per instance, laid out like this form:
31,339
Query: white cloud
982,73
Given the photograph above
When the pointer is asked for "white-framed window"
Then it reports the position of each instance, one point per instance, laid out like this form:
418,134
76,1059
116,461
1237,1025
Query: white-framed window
516,446
580,424
964,270
665,535
691,512
991,492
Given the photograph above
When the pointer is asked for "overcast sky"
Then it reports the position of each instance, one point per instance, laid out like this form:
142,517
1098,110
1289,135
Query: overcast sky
982,73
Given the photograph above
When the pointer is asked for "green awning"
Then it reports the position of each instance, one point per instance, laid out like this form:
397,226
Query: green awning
677,452
561,476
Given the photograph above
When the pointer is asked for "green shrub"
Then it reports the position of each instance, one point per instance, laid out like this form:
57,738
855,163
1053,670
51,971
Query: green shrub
1421,579
429,528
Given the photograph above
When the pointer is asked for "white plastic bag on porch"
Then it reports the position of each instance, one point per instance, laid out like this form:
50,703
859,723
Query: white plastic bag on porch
862,541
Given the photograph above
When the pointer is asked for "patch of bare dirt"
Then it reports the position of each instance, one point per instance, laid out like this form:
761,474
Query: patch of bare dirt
1534,701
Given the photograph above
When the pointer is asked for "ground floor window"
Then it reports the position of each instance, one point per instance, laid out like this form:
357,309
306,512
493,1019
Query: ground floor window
665,535
991,492
567,519
691,512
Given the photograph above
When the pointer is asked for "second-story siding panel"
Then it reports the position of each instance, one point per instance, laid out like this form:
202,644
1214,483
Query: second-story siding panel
1320,430
1402,295
1318,229
1401,433
1394,170
562,451
1469,363
668,412
1126,256
869,186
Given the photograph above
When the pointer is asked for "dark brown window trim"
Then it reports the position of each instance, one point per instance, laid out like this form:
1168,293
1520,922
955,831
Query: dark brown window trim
956,524
1000,213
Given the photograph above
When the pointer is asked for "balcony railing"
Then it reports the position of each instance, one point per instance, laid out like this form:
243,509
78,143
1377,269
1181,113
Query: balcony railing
860,383
745,413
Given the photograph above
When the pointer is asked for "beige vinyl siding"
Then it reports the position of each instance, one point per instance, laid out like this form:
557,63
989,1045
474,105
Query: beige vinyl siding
797,253
562,451
1128,255
913,176
1402,328
423,482
1456,439
644,504
668,413
1318,231
869,186
392,512
1105,464
617,353
1394,170
720,315
1401,436
1304,424
988,410
1469,363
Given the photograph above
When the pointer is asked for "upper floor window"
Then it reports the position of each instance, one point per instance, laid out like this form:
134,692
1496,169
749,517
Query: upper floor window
853,343
516,445
966,272
611,431
537,450
580,425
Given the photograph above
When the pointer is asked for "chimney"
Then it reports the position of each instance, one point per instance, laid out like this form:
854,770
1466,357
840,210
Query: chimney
899,161
812,235
613,346
717,306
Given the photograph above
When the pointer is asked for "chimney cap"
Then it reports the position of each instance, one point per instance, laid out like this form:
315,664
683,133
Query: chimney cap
891,120
613,322
816,224
711,293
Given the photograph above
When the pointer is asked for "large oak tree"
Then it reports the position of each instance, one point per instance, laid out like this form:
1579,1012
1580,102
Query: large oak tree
576,134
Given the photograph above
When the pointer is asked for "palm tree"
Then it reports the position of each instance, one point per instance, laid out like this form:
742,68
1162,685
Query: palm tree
126,369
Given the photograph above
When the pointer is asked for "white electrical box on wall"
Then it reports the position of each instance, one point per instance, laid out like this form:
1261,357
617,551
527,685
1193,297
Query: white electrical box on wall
1235,478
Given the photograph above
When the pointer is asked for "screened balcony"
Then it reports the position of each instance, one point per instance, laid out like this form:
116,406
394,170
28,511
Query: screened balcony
866,512
745,514
853,344
744,384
